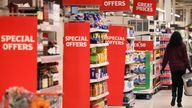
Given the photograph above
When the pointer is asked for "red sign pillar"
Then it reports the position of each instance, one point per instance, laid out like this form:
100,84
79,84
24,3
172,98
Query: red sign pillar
18,52
76,65
116,69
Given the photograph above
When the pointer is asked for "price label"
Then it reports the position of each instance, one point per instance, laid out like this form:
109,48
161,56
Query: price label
143,45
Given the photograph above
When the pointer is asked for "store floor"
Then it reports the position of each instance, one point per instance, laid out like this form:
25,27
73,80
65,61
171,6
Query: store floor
162,100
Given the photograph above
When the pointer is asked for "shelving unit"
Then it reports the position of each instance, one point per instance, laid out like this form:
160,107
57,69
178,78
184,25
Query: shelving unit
98,68
129,97
165,78
50,49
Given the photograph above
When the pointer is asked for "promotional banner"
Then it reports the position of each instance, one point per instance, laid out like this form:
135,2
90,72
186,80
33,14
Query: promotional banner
115,5
83,2
18,52
76,65
144,45
144,7
116,69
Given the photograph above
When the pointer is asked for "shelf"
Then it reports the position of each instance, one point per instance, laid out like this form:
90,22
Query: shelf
99,96
47,28
132,62
156,61
126,103
139,72
98,30
128,90
149,91
157,86
130,76
130,37
165,83
163,46
155,76
99,80
130,51
99,65
49,59
99,45
157,47
168,75
53,89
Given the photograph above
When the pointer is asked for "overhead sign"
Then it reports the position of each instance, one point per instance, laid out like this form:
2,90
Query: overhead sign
83,2
115,5
144,7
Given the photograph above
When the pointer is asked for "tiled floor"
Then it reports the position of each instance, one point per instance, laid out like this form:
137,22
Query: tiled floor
162,100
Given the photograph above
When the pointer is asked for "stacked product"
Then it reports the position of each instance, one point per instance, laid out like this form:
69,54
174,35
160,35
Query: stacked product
47,45
166,76
98,59
97,20
139,68
98,55
48,75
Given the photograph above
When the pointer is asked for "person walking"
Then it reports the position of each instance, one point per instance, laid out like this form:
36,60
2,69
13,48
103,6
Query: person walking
176,56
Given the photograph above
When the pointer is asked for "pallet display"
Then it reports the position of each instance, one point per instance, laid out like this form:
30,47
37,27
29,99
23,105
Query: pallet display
98,68
165,78
154,40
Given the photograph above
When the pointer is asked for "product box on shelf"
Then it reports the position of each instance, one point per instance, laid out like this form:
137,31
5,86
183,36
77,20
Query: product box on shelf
98,55
98,88
98,73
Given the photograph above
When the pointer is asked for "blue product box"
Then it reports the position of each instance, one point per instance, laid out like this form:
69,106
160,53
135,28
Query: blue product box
93,73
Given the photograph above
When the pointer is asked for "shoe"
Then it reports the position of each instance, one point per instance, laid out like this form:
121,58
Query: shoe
173,102
179,105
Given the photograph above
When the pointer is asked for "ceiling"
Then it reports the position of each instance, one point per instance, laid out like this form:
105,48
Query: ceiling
183,3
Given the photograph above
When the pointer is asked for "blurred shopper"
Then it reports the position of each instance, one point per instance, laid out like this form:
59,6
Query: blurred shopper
176,56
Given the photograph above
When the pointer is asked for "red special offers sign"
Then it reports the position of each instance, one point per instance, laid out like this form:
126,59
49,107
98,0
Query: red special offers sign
144,7
143,45
83,2
117,48
115,5
18,52
116,35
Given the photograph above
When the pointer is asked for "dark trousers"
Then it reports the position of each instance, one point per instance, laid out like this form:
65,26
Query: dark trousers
177,85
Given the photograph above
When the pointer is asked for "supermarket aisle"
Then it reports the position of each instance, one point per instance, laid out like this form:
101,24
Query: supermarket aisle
162,100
